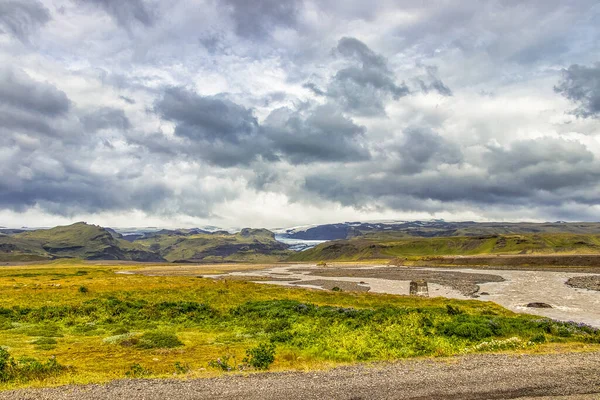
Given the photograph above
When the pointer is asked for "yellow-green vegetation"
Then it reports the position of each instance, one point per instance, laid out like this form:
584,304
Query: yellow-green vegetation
52,332
382,246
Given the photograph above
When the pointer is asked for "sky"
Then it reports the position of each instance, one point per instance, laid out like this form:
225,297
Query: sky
277,113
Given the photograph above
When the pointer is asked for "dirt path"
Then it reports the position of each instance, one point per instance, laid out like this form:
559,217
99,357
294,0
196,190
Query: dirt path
475,377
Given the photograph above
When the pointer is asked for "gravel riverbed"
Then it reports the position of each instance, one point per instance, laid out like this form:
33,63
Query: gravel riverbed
473,377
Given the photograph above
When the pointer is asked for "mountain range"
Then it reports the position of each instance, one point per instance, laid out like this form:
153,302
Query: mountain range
343,241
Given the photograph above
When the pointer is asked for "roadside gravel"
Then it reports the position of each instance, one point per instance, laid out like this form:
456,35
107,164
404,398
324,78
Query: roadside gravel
473,377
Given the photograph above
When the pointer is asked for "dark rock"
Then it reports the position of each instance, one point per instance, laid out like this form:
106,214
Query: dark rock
484,294
539,305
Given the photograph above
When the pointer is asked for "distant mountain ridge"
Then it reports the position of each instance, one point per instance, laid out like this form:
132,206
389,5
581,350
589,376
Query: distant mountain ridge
434,228
91,242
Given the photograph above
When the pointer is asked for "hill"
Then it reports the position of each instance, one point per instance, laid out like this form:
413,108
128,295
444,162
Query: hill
436,228
79,240
388,246
92,242
258,245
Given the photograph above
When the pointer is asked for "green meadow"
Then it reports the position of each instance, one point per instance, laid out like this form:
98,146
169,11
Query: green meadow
70,322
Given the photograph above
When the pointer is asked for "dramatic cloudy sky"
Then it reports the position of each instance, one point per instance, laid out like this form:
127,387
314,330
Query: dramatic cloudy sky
286,112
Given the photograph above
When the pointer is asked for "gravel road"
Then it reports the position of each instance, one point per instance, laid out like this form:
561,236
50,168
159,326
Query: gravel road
569,376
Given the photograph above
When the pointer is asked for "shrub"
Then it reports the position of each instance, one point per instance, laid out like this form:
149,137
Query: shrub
336,289
159,340
261,356
181,368
137,371
467,330
26,368
221,363
4,360
83,289
453,310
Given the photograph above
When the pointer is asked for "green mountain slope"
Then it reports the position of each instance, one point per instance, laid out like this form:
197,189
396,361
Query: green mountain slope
382,246
79,240
257,245
92,242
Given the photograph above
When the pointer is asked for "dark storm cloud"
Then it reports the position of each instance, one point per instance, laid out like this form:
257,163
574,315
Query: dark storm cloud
206,117
224,133
125,12
21,18
257,18
213,128
353,48
581,84
363,88
48,157
18,90
323,134
423,148
526,173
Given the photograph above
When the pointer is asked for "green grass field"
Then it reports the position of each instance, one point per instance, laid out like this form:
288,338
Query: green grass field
70,322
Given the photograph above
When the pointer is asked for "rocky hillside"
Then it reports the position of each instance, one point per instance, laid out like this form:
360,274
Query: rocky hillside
79,240
92,242
257,245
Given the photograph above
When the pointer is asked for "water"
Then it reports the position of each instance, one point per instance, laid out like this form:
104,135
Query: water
298,244
518,289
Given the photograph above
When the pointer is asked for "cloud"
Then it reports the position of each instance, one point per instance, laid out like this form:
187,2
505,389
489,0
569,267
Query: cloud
581,85
106,118
525,173
363,88
125,13
257,19
433,83
221,132
22,18
423,149
18,90
220,109
323,134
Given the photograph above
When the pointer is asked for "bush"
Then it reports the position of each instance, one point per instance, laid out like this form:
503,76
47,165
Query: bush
467,330
26,368
4,359
453,310
158,340
221,363
181,368
137,371
83,289
261,357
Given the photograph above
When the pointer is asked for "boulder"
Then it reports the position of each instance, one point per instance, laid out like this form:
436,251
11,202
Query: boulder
539,305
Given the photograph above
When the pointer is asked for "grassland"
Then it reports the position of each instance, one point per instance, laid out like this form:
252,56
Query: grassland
95,326
387,246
